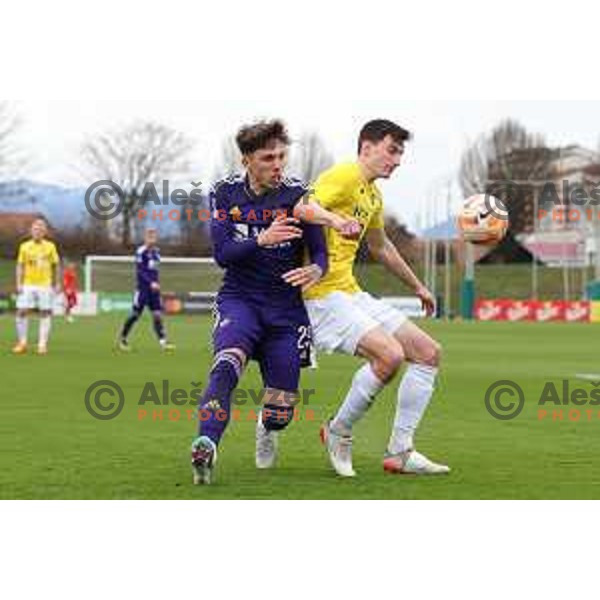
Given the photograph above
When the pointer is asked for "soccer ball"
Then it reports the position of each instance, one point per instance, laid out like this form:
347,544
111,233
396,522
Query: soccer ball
483,220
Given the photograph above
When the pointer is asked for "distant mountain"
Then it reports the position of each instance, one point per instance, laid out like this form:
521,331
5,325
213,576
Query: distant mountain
62,206
441,231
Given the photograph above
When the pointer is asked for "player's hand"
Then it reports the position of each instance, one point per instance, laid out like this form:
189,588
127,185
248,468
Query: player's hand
282,230
349,229
155,286
304,277
427,299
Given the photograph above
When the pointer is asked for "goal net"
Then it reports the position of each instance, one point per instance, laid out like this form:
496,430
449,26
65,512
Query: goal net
117,274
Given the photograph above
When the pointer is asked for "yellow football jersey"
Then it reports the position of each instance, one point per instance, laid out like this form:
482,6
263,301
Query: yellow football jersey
344,191
38,260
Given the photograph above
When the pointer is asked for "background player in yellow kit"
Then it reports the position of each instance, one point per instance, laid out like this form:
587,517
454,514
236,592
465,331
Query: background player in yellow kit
346,319
38,267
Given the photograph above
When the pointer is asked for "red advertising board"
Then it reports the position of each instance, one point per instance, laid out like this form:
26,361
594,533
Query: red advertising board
503,309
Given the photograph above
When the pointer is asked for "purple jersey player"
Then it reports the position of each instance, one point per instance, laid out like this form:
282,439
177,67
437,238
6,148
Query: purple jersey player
268,239
147,295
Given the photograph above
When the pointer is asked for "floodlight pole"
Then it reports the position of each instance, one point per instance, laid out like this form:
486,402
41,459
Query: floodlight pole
88,274
447,258
468,284
534,265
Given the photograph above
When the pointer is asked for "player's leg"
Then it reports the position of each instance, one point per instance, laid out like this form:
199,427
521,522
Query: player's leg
276,415
416,388
44,302
25,303
70,304
384,357
340,324
22,325
155,304
215,406
414,395
137,310
236,333
44,331
67,308
161,332
422,354
215,411
280,364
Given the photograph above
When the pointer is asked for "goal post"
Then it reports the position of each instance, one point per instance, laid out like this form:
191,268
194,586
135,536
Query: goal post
178,274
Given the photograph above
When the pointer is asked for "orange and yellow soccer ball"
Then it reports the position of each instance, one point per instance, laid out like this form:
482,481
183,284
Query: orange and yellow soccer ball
483,220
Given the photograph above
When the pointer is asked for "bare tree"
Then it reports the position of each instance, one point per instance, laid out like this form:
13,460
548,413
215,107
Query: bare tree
140,154
493,154
310,157
509,163
231,160
11,158
194,234
404,239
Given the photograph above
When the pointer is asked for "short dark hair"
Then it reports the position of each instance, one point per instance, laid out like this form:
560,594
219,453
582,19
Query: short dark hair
257,136
378,129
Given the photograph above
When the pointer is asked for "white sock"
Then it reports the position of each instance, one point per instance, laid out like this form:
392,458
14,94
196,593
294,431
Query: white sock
365,387
22,326
44,333
414,394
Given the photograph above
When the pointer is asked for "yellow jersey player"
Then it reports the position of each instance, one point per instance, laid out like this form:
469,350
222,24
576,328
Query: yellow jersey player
37,275
348,320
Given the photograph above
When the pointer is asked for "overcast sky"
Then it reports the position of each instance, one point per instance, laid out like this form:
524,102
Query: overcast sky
54,129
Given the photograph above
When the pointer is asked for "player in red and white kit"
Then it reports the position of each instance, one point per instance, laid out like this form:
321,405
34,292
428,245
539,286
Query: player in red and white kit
70,288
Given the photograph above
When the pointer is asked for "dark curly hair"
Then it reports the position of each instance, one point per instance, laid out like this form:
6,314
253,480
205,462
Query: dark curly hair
258,136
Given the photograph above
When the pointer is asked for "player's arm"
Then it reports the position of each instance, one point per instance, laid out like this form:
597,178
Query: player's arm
56,270
20,269
309,275
19,276
384,251
310,211
155,279
228,250
57,277
322,205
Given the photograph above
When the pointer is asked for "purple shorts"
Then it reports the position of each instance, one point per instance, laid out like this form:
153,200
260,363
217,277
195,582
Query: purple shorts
147,298
278,338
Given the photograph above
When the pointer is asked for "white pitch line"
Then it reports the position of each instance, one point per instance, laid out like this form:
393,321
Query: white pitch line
588,376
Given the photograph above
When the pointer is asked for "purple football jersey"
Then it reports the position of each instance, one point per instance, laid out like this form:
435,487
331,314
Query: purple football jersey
147,267
239,216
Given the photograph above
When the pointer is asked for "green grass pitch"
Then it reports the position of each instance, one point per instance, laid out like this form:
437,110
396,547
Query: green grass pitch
50,447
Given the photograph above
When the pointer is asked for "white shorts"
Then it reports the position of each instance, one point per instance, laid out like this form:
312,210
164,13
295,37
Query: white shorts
34,296
341,320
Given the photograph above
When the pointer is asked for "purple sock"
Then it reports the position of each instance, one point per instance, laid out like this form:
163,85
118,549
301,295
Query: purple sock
215,408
